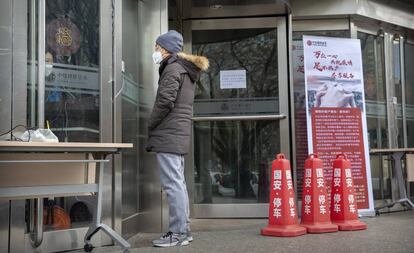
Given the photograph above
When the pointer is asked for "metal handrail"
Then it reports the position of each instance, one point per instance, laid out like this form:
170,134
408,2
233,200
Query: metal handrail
240,117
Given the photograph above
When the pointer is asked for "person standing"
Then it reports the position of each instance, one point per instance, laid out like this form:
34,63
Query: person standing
169,129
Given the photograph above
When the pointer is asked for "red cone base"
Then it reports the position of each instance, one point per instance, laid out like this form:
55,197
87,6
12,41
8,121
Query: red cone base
344,212
283,217
320,227
351,225
283,231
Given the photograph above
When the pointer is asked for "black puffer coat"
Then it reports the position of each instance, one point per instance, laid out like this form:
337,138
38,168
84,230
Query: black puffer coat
169,126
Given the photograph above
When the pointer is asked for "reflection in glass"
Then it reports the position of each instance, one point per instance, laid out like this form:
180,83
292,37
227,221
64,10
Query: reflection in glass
232,158
72,69
398,92
204,3
253,50
32,45
409,92
372,47
409,98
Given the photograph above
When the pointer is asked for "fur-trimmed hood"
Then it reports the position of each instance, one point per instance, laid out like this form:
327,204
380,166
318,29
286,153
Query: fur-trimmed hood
200,62
193,64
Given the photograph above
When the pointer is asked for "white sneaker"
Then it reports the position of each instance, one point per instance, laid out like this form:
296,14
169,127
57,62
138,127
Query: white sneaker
189,236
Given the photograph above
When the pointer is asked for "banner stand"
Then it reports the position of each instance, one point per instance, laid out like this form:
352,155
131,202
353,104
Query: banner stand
335,110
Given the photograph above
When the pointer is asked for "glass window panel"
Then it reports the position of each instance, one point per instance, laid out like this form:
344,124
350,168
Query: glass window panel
233,160
409,92
398,91
32,58
72,69
6,70
252,50
175,21
205,3
409,98
372,47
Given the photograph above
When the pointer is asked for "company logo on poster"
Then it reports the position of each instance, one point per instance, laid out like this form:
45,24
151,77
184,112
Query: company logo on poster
316,43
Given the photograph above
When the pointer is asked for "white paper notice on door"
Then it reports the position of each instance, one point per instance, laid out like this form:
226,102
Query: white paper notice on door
233,79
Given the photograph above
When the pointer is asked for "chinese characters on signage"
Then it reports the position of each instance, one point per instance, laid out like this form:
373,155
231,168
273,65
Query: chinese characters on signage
277,199
82,79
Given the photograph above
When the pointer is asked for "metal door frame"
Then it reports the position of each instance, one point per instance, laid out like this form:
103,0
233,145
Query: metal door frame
233,10
280,23
390,33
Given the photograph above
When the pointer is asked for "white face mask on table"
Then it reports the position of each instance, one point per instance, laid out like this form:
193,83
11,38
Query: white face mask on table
157,57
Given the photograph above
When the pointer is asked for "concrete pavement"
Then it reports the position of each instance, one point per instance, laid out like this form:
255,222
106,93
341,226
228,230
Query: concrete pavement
392,232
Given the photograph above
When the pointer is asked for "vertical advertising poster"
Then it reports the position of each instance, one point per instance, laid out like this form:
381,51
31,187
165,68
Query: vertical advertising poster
335,110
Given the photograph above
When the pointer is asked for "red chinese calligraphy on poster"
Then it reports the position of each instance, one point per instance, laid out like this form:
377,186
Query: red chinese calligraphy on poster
335,110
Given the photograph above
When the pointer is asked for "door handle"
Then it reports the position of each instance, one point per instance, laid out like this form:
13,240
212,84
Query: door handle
240,117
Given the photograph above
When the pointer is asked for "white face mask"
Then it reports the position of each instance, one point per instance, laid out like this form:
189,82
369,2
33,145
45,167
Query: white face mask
157,57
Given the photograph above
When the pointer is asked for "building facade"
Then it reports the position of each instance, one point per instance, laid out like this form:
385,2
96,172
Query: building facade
85,68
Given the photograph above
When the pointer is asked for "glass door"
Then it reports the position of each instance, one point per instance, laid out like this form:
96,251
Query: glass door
386,99
240,111
66,89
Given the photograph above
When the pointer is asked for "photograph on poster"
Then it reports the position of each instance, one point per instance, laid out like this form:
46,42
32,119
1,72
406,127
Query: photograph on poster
342,94
333,74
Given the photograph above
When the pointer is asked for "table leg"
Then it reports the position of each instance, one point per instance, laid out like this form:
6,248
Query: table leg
397,156
36,222
398,184
97,224
381,175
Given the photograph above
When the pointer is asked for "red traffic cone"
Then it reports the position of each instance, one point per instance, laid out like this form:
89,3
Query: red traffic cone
344,210
283,218
315,205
